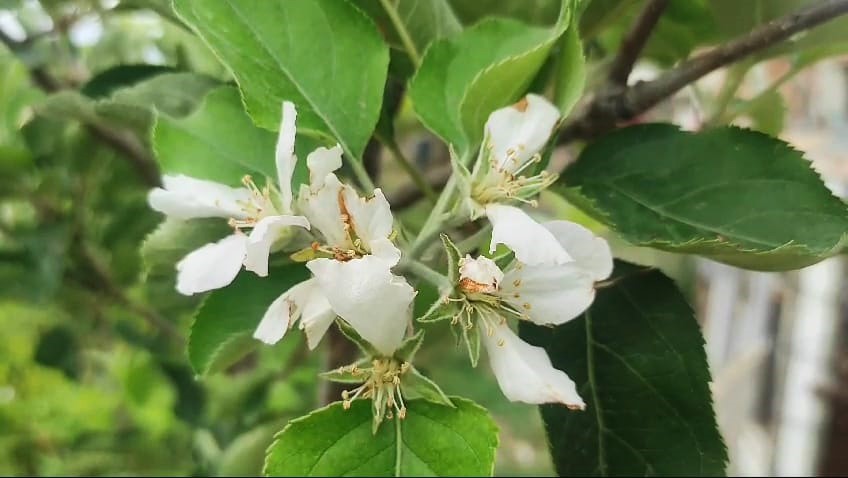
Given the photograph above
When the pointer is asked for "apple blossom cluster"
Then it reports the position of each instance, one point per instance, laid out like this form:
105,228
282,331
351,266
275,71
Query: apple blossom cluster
546,273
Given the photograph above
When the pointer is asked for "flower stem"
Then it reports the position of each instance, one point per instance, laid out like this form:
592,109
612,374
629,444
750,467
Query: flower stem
361,174
411,171
424,272
435,221
402,32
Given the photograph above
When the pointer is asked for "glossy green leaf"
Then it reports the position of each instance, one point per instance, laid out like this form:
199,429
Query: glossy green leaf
637,357
223,326
326,56
733,195
464,78
571,71
218,142
433,440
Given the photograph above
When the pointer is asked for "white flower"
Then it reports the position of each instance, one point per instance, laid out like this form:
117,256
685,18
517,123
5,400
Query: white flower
355,272
532,243
548,294
267,212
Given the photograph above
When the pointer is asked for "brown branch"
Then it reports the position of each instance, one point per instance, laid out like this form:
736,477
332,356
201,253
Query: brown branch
618,104
635,41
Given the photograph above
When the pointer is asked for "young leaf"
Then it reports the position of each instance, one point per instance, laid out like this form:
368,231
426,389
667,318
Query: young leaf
325,56
454,256
432,440
471,337
638,360
406,351
229,316
733,195
352,335
424,20
464,78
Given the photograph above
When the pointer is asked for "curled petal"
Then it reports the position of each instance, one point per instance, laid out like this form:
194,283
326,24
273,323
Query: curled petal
371,218
184,197
321,208
548,294
525,373
383,249
303,301
322,162
482,271
367,295
285,157
263,236
591,253
531,242
212,266
516,133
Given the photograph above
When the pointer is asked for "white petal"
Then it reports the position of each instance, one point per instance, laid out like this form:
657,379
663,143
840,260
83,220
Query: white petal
322,162
525,373
384,250
591,253
531,242
321,208
548,294
263,236
184,197
366,294
371,218
285,157
212,266
317,316
283,312
516,133
482,270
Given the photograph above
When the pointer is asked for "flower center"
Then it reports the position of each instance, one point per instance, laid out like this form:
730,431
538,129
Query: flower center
382,384
259,205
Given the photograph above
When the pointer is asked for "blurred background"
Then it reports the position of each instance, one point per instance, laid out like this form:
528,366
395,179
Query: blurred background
93,374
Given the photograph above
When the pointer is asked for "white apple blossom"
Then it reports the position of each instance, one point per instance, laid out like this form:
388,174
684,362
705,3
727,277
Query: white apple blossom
351,255
544,294
512,140
267,212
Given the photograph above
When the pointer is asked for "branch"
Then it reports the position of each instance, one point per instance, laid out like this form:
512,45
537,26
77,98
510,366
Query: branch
620,104
635,41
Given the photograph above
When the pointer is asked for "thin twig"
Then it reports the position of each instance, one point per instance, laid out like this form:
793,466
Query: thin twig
618,104
635,41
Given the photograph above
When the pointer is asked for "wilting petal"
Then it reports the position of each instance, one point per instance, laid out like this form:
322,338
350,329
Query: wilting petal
525,373
317,315
303,301
366,294
184,197
263,236
482,271
322,162
548,294
371,218
212,266
384,250
516,133
531,242
285,157
321,208
591,253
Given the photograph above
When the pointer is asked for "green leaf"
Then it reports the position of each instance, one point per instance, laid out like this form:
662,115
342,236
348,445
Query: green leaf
218,142
540,12
424,20
638,360
407,350
432,440
463,79
324,55
223,326
571,71
733,195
